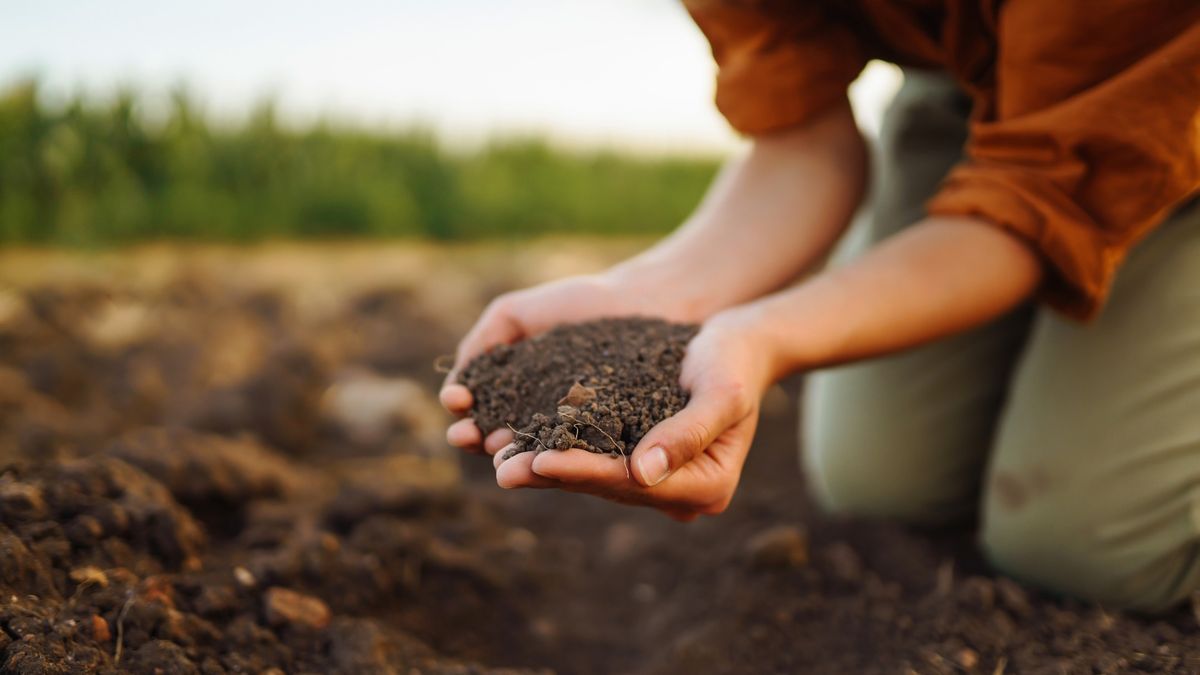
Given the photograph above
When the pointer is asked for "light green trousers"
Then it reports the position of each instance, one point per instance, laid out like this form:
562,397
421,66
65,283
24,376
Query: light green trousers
1078,445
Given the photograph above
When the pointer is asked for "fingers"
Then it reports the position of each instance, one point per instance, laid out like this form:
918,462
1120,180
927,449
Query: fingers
676,440
464,434
681,515
684,497
577,466
698,488
456,398
516,472
610,477
497,440
498,457
495,326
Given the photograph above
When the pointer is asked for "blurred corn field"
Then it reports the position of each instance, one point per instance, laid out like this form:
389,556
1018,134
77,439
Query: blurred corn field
88,172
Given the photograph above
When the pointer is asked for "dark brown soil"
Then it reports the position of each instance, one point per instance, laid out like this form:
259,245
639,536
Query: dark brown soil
216,495
103,568
599,386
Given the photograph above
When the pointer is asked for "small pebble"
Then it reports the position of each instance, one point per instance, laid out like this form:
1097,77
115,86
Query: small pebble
89,576
780,547
285,606
244,576
100,631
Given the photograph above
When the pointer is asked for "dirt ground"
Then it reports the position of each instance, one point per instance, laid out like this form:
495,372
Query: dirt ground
231,461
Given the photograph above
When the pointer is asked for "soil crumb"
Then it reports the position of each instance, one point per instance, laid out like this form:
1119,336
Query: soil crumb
599,385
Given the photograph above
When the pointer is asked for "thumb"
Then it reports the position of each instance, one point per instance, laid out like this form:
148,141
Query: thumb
678,439
496,325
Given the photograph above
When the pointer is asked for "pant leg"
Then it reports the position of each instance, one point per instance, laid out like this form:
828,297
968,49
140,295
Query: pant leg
1094,487
906,436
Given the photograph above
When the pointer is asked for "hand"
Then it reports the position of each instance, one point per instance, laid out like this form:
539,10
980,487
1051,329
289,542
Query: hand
690,463
523,314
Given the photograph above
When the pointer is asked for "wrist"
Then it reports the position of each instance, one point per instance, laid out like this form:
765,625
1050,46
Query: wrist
787,329
654,286
752,329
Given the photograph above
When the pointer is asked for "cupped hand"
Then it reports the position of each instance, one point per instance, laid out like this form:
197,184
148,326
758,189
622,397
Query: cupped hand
689,464
523,314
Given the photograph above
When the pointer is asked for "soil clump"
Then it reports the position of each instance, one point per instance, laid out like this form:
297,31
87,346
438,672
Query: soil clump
599,385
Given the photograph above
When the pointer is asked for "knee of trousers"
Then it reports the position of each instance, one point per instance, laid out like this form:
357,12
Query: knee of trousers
1076,545
871,476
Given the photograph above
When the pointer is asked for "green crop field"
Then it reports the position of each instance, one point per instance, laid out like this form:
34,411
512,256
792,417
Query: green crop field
88,172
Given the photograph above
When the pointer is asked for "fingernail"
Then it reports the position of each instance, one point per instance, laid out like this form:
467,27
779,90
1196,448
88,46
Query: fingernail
654,466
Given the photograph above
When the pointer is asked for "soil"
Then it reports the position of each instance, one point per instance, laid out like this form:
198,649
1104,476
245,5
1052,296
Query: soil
199,476
599,386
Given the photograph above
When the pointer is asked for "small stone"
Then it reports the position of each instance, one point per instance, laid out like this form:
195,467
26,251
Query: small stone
780,547
244,577
967,658
89,576
578,395
285,606
100,631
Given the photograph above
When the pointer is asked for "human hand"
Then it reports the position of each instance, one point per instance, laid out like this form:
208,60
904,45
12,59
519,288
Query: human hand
690,463
526,313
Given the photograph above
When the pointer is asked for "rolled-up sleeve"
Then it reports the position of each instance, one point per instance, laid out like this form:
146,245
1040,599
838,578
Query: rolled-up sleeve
1092,136
780,63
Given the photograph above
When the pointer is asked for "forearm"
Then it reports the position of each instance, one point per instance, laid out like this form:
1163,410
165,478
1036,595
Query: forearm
939,277
768,217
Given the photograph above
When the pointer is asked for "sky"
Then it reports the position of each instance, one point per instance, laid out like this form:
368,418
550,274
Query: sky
625,73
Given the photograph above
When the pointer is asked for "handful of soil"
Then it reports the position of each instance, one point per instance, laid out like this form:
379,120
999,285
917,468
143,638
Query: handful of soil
599,386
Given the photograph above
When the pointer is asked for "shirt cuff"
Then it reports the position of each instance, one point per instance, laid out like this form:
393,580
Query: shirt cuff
785,89
1079,255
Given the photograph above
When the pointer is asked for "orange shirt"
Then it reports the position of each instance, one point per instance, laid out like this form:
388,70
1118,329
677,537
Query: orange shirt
1085,132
